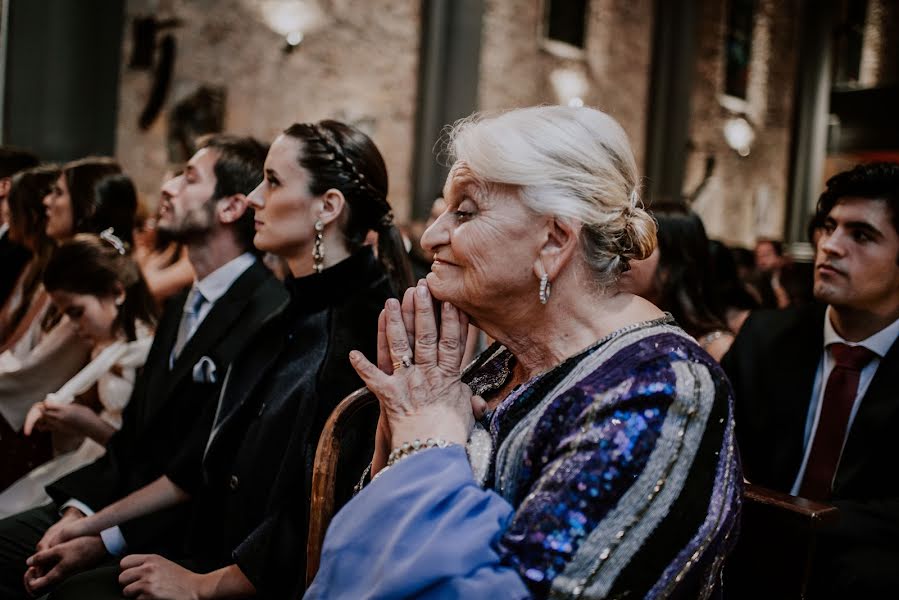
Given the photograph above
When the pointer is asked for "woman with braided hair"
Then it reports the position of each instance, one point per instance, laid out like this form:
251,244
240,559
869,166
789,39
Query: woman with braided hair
324,190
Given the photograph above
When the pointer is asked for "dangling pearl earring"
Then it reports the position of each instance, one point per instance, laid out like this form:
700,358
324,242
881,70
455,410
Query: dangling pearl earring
545,288
318,253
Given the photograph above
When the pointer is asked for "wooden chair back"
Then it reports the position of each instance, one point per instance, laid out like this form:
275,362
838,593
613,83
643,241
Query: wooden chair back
351,425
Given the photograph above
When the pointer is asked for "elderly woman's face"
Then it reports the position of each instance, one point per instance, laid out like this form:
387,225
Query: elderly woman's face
484,246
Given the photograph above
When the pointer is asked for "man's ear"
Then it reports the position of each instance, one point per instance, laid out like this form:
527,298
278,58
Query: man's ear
5,184
231,208
333,203
557,249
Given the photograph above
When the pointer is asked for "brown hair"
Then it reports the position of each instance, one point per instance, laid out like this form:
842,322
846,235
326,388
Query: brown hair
87,264
238,170
27,225
82,178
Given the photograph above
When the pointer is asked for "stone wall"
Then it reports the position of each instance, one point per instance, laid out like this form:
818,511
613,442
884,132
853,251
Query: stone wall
880,52
746,197
517,69
357,62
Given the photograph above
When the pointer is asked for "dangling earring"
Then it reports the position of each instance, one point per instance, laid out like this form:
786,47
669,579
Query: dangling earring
545,288
318,253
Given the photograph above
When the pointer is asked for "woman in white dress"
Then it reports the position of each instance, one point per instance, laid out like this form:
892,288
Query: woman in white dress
98,286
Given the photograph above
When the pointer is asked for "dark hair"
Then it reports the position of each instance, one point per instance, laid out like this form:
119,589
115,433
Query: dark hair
728,289
82,177
682,277
87,264
339,156
116,207
238,170
27,214
776,245
878,180
13,160
27,225
798,280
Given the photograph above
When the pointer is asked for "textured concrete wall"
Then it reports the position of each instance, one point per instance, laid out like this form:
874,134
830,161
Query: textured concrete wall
746,196
880,52
517,70
358,64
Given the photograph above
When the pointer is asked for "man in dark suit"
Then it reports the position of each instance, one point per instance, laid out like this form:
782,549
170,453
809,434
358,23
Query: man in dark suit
13,257
816,387
200,334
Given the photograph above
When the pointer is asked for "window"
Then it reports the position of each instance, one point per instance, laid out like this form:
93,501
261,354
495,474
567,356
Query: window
848,41
738,47
565,21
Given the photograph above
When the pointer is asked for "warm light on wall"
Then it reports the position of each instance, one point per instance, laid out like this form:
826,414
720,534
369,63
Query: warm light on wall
739,135
570,86
292,19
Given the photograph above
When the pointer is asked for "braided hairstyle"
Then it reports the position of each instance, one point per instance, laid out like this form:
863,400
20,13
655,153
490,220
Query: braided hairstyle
339,156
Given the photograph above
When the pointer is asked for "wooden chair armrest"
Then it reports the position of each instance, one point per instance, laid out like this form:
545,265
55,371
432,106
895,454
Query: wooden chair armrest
815,514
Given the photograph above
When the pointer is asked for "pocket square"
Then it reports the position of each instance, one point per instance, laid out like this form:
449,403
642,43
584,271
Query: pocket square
204,370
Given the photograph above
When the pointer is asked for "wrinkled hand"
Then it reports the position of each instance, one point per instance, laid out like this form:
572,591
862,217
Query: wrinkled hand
49,567
59,531
69,418
428,398
150,576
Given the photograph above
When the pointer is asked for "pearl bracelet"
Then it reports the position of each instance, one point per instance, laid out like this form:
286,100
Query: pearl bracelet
410,448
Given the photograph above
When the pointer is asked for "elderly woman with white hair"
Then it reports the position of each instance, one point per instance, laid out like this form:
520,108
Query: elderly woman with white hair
590,451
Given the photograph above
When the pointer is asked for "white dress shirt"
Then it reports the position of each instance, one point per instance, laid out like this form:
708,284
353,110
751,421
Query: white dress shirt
879,344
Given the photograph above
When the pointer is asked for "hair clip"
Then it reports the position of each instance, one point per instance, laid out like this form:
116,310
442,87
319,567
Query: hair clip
107,235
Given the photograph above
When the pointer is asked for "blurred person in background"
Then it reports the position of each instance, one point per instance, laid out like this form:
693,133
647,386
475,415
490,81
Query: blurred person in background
13,256
676,278
44,350
733,294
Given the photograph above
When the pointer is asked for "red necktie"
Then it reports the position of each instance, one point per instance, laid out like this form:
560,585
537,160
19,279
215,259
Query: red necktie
839,396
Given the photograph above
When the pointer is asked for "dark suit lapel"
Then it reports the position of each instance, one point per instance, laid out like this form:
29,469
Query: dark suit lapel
216,325
243,377
158,382
878,411
211,329
799,359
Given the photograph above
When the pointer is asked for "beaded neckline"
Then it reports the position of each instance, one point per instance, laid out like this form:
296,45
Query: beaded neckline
502,355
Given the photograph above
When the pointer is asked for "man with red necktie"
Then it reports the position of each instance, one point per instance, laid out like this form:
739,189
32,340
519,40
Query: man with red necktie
817,387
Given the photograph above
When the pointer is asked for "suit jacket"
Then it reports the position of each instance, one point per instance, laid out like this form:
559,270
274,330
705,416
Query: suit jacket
772,366
252,482
164,417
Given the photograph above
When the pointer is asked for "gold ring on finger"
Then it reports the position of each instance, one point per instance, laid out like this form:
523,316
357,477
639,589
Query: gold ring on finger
406,360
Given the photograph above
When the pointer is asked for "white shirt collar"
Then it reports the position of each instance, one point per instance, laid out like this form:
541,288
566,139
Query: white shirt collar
214,285
879,343
3,229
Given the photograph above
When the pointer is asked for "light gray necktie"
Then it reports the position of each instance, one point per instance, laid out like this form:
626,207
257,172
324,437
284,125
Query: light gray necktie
188,321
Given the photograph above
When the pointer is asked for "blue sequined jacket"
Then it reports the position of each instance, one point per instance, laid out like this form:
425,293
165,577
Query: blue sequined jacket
612,475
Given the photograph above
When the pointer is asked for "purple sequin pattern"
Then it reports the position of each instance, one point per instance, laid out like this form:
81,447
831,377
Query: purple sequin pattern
589,445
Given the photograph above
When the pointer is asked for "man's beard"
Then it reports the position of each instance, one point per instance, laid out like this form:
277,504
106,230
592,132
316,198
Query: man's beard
193,226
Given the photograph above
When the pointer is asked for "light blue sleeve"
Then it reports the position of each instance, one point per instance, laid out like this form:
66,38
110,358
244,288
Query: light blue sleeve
423,529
